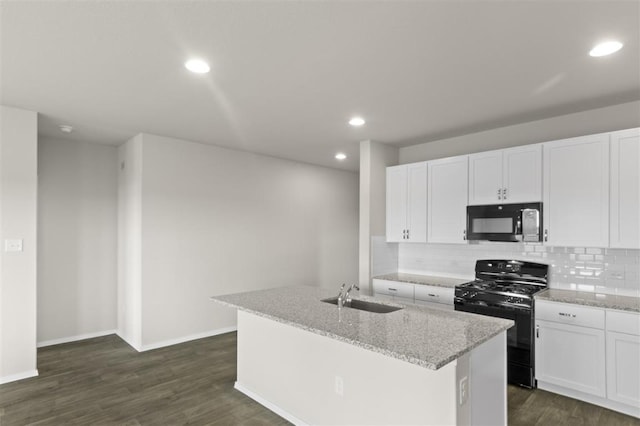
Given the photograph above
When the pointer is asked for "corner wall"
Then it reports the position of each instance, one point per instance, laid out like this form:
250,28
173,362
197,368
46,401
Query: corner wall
375,157
77,240
18,201
205,221
130,242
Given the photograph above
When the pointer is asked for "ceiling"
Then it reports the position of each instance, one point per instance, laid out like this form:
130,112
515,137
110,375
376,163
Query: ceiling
286,76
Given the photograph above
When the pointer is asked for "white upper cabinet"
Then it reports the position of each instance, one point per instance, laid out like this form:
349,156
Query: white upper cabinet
576,191
396,203
485,178
506,176
522,174
407,203
447,200
625,189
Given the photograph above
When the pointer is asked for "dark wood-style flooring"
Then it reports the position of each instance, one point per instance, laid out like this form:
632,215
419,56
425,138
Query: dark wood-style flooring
103,381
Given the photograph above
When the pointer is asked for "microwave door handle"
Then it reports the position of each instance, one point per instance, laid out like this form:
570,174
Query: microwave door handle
518,230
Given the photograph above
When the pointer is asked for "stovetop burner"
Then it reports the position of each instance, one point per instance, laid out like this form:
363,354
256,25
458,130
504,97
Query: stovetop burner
492,286
504,283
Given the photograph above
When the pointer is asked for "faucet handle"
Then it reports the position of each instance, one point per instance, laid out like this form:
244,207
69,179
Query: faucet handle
341,292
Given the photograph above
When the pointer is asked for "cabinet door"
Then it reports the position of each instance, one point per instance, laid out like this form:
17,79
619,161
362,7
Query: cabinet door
396,203
447,200
576,191
485,178
625,189
522,174
571,356
623,368
417,202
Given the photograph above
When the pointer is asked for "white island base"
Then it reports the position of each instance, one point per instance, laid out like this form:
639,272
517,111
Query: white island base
311,379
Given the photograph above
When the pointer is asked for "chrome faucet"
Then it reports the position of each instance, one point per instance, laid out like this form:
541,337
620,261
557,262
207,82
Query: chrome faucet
346,294
341,296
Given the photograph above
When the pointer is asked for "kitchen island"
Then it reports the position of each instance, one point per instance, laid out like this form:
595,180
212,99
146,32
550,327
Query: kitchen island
313,363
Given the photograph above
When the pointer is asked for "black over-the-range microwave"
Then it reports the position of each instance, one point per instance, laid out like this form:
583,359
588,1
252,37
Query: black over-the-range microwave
505,222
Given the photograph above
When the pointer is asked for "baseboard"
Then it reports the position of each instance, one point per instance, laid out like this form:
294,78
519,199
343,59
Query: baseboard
592,399
184,339
16,377
75,338
124,339
260,400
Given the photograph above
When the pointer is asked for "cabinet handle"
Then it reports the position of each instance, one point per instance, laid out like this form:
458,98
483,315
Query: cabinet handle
546,235
499,196
504,193
407,234
404,234
565,314
464,234
537,331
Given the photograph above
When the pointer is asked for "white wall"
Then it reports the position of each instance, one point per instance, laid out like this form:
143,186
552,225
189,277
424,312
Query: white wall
617,117
18,200
77,223
217,221
375,157
130,242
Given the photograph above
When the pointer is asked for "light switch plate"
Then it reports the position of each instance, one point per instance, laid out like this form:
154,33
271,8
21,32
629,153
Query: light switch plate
13,245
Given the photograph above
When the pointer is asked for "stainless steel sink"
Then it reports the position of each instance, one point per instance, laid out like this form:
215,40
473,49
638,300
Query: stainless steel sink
363,305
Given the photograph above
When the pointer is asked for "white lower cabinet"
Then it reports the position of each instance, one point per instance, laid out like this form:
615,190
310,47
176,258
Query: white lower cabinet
419,294
393,291
588,353
623,357
571,356
434,296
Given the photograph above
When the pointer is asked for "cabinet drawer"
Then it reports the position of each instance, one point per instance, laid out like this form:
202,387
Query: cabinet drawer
623,322
434,294
393,288
570,314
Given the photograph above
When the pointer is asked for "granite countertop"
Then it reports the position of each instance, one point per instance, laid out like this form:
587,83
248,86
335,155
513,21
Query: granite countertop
420,335
423,279
599,300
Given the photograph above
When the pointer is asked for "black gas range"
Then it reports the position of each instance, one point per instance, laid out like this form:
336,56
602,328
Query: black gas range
505,289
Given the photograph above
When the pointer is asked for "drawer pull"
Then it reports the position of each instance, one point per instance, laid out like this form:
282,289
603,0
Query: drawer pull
564,314
432,295
393,289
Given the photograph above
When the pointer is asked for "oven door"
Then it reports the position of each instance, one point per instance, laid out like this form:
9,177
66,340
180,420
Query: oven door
520,351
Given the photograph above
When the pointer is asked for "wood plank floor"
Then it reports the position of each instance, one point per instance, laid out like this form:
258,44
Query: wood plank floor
103,381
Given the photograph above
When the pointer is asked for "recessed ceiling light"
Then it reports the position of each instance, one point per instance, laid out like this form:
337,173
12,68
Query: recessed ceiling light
65,128
197,65
606,48
341,156
356,121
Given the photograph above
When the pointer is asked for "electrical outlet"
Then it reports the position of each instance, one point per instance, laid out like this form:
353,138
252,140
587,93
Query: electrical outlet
339,386
464,390
12,245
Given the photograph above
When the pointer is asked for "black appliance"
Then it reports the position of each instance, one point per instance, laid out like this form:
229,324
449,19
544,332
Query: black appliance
505,222
505,289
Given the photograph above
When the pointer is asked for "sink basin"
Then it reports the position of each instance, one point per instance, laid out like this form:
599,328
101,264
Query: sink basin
363,305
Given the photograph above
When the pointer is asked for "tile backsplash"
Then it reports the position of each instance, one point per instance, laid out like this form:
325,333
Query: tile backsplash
612,271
